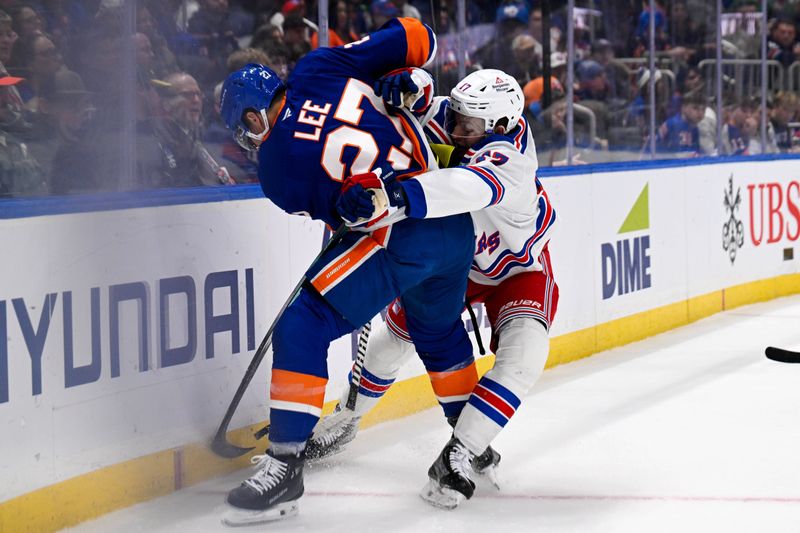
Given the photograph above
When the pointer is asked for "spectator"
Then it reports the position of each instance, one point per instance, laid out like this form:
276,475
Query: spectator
37,59
382,11
7,38
685,32
145,58
278,59
27,22
340,31
782,45
617,74
510,21
689,81
535,28
592,92
297,7
642,32
783,110
526,63
295,37
20,173
242,57
735,140
80,163
534,90
679,133
407,10
183,159
550,127
163,60
215,30
266,35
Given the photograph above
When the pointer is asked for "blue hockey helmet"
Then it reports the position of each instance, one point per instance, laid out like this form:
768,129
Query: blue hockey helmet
253,87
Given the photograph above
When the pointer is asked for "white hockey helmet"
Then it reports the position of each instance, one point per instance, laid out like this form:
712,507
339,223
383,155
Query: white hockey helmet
491,95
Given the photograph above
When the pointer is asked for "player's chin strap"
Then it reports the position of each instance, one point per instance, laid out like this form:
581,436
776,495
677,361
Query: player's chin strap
475,326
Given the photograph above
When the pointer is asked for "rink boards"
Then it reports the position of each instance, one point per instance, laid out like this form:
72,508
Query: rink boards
124,332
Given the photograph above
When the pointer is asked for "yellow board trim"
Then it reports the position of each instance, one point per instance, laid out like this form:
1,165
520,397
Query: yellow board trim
94,494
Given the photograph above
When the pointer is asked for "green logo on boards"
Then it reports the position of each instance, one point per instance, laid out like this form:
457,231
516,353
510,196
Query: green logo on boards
639,216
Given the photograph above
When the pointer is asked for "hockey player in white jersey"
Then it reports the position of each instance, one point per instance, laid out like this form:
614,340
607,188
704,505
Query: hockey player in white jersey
495,181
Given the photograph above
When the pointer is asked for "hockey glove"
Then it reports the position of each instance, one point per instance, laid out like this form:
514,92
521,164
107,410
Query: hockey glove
371,200
408,87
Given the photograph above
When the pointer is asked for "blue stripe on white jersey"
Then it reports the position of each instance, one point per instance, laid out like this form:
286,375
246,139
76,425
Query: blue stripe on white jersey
490,178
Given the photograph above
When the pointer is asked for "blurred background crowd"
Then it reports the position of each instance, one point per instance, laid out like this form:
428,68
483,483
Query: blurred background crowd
120,95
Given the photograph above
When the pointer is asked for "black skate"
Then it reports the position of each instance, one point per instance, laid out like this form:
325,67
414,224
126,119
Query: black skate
332,434
450,482
486,463
270,494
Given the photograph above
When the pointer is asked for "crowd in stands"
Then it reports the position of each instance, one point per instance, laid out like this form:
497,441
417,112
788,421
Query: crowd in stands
112,95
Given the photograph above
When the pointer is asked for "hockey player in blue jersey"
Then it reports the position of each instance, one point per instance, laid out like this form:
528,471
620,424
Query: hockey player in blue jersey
311,134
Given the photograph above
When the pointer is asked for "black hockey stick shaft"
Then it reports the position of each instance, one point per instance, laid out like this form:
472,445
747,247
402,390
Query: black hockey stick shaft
220,444
782,356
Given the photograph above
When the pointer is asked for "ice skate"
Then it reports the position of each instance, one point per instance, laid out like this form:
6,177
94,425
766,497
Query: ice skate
272,493
486,463
332,434
450,482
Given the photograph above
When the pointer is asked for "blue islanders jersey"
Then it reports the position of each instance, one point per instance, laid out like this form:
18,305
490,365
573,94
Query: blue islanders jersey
331,124
677,135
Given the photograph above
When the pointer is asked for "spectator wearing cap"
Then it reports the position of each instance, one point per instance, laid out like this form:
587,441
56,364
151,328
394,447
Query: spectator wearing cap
679,133
80,163
782,44
340,31
20,173
592,92
526,64
592,81
287,8
511,20
382,11
617,74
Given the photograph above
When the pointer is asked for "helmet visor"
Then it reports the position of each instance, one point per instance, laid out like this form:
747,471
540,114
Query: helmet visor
464,130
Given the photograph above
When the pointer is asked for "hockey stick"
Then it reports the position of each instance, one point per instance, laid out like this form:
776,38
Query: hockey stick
782,356
220,444
358,366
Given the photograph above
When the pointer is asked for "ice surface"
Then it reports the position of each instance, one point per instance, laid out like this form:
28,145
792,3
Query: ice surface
692,430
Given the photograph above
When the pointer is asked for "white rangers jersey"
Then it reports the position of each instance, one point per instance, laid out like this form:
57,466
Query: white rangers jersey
496,182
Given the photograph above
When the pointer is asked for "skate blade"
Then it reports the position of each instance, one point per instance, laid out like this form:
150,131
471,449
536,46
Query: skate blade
441,497
491,474
245,517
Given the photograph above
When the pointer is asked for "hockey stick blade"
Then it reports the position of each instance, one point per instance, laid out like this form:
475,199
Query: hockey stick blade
221,447
219,444
782,356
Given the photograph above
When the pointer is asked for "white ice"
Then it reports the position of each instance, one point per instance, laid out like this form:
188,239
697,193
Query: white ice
691,430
